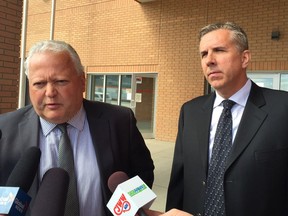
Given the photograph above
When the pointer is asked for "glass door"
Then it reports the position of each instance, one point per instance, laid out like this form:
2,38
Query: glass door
136,91
143,103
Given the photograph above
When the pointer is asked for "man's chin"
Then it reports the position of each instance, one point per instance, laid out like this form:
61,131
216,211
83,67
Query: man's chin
216,86
55,118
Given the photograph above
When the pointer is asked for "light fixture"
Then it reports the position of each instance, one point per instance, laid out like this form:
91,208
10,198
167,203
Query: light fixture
275,35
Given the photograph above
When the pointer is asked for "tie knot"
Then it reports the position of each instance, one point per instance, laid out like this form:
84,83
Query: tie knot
63,127
228,104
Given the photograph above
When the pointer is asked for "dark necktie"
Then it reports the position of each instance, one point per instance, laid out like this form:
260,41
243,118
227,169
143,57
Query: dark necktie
214,196
66,162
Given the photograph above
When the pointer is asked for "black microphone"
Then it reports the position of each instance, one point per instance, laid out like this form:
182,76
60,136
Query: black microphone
51,197
25,170
13,197
117,178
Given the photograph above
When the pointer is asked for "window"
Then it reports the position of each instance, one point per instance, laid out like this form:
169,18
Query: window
278,81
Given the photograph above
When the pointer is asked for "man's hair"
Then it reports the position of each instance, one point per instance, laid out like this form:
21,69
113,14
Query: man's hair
55,47
239,36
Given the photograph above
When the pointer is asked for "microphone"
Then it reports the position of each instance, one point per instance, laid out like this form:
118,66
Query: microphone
129,195
51,197
115,179
14,200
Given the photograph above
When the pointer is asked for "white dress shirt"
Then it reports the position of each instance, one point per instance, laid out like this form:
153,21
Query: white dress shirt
240,98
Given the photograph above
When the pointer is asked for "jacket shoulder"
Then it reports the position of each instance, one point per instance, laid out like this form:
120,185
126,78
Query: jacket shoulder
20,113
199,101
97,109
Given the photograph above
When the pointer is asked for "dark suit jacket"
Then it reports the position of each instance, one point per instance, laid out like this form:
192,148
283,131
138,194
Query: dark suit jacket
256,177
117,141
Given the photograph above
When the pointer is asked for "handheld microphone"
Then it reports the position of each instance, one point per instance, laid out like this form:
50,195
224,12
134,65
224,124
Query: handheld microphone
115,179
51,197
14,200
129,195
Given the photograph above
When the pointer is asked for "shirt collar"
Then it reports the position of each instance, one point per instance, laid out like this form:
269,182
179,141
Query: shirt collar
240,97
77,121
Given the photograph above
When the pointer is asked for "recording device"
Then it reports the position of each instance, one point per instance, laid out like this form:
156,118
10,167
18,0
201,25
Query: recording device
129,195
52,194
14,200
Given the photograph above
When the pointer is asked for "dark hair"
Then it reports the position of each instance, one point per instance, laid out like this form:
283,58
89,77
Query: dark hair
239,35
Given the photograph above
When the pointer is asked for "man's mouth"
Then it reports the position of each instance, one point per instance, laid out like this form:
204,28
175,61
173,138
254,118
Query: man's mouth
52,105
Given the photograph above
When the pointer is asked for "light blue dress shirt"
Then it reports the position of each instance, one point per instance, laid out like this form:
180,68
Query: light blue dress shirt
86,166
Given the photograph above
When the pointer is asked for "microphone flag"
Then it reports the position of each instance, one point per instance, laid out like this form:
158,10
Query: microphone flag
13,201
130,196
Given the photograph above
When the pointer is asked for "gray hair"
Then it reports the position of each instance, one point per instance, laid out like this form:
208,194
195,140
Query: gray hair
239,36
56,47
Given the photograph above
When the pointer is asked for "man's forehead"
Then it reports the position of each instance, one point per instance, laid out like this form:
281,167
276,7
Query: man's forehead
215,39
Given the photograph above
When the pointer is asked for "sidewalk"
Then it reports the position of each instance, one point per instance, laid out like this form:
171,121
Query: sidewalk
162,154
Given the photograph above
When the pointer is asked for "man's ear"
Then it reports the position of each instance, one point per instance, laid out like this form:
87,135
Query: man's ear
83,81
246,57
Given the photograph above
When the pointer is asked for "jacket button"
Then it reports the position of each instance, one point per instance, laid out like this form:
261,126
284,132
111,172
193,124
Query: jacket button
198,214
203,183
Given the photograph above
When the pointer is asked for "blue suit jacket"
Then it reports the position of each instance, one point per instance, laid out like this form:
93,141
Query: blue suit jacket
256,177
117,141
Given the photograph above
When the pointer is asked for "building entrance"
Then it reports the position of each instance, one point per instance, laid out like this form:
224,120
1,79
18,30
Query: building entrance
136,91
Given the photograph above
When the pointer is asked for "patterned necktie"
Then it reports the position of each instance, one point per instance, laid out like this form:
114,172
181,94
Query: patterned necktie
66,162
214,196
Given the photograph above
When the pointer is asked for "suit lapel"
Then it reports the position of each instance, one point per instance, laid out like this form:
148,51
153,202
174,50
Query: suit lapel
204,129
252,119
29,129
29,133
100,133
99,129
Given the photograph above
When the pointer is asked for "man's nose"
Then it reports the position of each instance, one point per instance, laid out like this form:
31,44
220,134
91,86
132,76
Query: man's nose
51,91
210,59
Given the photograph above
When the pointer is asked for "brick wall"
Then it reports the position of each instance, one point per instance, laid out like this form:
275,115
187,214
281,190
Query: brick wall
160,36
10,30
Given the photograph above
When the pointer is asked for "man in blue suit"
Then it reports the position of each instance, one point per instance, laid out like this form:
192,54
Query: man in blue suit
104,137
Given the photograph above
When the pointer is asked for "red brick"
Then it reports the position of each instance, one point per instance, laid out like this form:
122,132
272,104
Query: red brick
160,36
10,31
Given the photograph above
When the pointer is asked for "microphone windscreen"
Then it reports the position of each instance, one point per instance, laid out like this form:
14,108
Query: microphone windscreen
25,170
51,197
115,179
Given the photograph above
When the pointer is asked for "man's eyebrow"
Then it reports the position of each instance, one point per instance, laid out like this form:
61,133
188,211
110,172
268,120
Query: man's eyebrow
219,47
215,48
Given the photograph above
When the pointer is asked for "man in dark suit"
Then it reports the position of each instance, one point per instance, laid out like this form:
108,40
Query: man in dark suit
104,137
255,179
